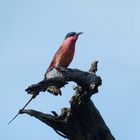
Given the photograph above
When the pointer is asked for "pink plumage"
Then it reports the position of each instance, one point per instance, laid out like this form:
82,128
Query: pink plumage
64,54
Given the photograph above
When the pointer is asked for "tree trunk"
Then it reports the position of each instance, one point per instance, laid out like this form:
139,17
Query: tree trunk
82,121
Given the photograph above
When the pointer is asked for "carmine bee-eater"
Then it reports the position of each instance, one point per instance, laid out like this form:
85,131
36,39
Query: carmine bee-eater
62,57
64,54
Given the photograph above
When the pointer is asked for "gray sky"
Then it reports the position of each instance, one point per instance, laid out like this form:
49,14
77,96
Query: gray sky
30,33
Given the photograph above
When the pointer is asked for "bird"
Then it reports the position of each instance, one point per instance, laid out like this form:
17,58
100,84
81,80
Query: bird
64,55
62,58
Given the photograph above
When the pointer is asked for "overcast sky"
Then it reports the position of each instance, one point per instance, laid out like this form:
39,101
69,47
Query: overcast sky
30,33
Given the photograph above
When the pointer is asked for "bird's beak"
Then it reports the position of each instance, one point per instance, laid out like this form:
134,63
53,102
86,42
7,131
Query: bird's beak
79,33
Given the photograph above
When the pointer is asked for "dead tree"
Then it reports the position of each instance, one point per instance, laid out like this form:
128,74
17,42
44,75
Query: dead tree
82,121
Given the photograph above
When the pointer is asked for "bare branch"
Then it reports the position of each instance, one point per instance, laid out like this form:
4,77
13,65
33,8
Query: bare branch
82,121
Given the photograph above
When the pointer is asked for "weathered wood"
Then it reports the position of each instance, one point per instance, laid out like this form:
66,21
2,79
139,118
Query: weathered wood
87,80
82,121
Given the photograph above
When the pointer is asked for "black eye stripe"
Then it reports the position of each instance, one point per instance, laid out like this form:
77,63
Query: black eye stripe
70,34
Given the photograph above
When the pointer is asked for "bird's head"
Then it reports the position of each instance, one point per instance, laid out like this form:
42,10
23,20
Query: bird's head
73,35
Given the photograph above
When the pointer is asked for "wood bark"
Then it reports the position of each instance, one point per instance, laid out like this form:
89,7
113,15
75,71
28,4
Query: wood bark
82,121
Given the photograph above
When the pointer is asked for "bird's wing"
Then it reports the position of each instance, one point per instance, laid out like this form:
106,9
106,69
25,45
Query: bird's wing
54,60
